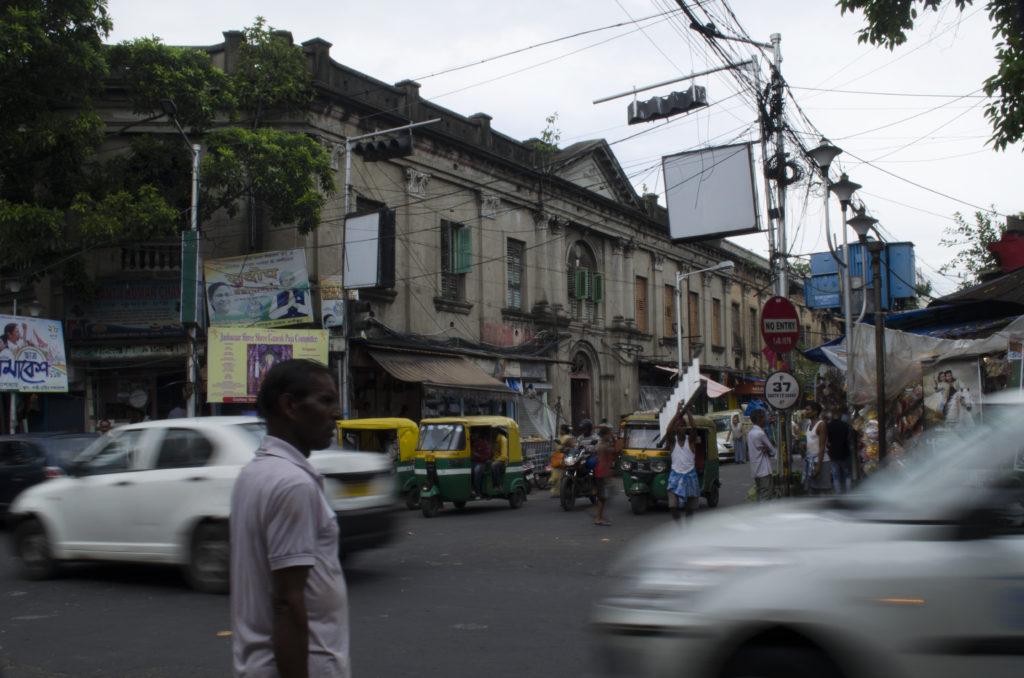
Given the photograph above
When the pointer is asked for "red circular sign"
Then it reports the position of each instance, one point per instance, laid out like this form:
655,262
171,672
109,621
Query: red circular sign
780,324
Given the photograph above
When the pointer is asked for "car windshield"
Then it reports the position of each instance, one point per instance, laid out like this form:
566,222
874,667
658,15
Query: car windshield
722,424
642,437
949,471
442,437
62,450
254,432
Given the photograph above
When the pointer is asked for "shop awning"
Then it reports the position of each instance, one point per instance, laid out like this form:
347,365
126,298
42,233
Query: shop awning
442,371
715,389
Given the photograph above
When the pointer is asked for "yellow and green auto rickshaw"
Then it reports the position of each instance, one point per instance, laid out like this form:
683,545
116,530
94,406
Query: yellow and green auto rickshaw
445,464
393,436
645,464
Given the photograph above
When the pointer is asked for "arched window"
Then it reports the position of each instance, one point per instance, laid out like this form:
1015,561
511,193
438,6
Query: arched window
585,283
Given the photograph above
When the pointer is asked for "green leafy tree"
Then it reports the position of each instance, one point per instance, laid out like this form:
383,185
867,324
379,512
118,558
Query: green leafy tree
60,198
889,21
970,240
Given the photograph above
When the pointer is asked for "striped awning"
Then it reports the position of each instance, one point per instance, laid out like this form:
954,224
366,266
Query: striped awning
442,371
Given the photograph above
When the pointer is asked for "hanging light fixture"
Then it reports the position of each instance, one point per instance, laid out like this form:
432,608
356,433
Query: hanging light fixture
35,308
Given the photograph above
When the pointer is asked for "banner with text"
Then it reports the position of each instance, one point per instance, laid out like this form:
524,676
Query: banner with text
268,289
240,357
32,358
332,301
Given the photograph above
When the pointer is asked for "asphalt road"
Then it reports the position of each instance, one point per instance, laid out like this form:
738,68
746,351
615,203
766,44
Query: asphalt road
487,591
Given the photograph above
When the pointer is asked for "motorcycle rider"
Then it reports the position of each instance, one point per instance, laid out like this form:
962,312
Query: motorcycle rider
587,438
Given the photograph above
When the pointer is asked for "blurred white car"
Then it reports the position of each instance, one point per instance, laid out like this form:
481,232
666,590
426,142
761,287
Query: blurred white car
160,492
921,574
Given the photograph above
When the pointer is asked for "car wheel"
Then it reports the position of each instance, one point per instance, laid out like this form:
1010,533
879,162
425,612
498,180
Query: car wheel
780,662
430,506
412,498
518,498
639,504
210,558
713,498
459,504
33,549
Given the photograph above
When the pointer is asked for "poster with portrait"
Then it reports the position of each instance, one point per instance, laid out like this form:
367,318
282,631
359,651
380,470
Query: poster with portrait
32,357
264,289
952,394
241,357
332,301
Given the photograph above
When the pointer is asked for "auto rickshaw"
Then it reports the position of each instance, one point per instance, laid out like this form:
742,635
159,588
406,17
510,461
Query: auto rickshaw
375,435
645,464
444,464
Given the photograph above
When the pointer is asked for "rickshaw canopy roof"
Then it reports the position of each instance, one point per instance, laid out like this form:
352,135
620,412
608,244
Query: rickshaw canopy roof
378,424
515,450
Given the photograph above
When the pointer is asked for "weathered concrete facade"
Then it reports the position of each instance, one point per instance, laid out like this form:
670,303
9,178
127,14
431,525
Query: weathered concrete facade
570,272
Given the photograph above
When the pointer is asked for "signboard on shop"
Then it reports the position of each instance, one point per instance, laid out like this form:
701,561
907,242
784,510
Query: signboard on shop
241,357
32,355
780,325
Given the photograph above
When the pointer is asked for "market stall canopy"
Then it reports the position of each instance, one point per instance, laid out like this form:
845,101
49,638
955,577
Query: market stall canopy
444,371
715,390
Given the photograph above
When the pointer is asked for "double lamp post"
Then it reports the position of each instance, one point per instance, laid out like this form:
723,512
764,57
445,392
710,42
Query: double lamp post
862,224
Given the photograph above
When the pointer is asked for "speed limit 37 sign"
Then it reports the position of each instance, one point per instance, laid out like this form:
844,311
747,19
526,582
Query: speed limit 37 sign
781,390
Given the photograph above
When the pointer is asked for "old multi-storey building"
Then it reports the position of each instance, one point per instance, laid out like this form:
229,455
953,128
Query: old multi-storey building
515,267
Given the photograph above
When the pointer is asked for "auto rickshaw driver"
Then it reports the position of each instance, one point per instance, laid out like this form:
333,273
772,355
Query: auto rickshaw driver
499,457
481,454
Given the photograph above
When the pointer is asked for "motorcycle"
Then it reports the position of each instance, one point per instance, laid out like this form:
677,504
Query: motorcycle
577,477
529,476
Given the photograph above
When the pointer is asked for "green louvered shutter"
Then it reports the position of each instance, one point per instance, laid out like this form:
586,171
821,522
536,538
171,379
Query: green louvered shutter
463,250
597,288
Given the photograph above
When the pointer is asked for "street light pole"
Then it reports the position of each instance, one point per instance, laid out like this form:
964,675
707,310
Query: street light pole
861,224
192,268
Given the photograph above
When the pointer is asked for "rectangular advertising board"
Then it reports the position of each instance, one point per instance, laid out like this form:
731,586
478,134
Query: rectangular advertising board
32,357
265,289
240,357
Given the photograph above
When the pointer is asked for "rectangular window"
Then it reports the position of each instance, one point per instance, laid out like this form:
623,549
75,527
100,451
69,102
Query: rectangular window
670,310
716,322
586,290
514,274
737,328
694,320
755,341
456,259
640,301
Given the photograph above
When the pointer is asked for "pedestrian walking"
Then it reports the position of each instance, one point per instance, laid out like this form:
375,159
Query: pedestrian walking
762,453
739,441
840,450
607,450
683,482
817,464
289,605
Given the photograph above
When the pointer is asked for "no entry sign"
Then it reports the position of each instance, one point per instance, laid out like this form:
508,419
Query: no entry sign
780,324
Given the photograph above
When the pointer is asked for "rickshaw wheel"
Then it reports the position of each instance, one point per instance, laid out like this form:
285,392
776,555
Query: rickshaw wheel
459,504
412,499
518,498
712,498
639,504
430,506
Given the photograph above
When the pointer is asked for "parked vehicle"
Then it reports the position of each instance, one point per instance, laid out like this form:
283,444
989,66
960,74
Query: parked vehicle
29,459
577,477
918,574
160,492
444,463
646,461
377,435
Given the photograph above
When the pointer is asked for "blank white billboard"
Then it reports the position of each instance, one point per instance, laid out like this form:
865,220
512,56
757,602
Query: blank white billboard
362,242
710,192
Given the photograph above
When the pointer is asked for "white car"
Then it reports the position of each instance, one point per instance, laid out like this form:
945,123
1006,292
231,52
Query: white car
160,492
919,575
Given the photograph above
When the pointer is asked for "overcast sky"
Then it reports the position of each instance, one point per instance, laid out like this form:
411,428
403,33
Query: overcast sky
944,149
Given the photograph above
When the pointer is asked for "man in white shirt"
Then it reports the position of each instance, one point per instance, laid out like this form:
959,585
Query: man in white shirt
762,454
289,605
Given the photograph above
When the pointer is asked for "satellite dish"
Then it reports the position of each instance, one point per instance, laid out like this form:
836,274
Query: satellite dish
138,399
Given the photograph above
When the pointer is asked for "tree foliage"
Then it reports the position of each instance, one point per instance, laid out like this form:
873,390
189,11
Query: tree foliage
889,21
970,241
60,196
